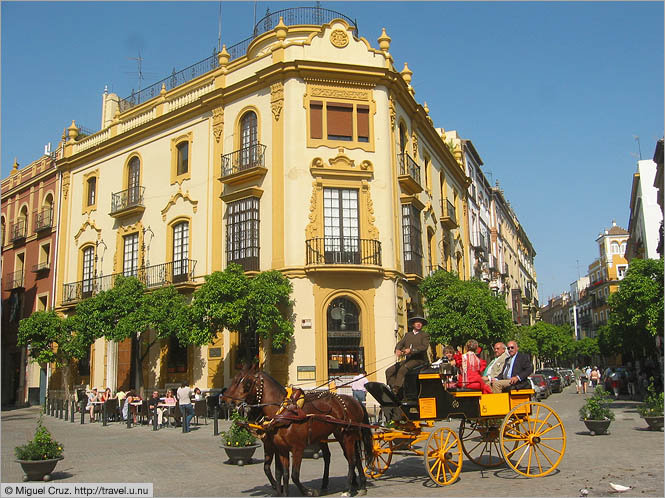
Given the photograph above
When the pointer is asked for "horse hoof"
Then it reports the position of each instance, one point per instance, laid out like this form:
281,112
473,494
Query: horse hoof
361,492
346,493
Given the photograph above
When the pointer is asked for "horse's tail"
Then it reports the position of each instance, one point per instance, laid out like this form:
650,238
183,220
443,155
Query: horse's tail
367,441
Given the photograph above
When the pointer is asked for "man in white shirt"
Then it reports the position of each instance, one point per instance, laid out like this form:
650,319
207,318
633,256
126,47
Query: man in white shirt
358,386
184,395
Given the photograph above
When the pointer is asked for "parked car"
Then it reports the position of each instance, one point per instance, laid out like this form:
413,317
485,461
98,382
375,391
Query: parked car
540,386
616,378
553,377
567,375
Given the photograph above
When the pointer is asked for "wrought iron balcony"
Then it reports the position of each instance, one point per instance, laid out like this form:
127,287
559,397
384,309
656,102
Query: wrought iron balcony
127,201
44,219
14,281
414,266
173,272
409,174
18,231
244,164
249,263
343,251
448,215
41,267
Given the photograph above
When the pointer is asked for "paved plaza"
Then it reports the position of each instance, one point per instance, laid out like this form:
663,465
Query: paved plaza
194,464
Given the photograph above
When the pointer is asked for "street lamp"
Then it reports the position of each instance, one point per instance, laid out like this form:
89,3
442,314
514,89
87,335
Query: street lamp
99,242
145,259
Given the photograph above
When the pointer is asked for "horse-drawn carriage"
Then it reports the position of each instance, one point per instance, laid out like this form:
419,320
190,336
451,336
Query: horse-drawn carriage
494,428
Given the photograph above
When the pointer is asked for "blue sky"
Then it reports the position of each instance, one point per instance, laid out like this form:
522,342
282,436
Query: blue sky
552,94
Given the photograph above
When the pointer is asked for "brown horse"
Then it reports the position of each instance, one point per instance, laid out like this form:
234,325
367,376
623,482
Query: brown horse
264,395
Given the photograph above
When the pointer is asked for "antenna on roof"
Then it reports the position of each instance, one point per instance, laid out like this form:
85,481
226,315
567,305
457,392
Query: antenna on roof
219,36
639,148
139,61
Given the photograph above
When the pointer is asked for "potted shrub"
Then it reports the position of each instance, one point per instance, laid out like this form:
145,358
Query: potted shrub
39,457
238,442
652,409
596,413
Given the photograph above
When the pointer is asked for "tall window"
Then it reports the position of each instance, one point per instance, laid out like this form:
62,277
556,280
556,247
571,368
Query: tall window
183,158
412,239
134,181
614,248
180,249
88,262
242,233
345,353
248,139
341,231
177,357
130,262
92,191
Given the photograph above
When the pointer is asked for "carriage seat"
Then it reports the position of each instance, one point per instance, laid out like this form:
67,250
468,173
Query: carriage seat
463,390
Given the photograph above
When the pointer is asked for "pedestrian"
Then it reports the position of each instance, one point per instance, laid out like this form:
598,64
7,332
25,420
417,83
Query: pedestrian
358,386
587,370
580,380
184,395
594,376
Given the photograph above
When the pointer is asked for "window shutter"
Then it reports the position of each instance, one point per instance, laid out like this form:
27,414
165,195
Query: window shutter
316,119
340,121
363,123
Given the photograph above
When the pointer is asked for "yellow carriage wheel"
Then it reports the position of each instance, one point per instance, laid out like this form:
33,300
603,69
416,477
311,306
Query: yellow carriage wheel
443,456
533,439
480,441
382,455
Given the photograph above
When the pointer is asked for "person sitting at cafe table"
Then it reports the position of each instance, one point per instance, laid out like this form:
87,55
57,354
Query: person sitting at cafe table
197,394
93,398
131,397
171,402
152,404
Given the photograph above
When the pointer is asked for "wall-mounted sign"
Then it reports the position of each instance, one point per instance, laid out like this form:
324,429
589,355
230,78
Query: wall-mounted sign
307,373
306,323
214,352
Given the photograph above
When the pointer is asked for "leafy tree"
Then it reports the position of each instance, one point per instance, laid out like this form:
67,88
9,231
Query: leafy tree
551,344
636,309
53,339
127,311
257,306
460,310
586,348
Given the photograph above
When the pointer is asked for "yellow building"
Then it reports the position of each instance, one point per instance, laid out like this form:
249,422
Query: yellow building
306,153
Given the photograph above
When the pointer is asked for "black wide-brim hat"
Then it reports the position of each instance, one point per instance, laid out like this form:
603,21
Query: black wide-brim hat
417,319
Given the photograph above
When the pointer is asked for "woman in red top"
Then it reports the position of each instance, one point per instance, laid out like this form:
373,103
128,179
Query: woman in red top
471,368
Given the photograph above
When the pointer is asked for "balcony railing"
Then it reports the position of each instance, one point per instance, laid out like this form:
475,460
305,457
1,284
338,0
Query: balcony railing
17,231
244,159
339,251
407,166
39,267
126,199
448,214
43,219
14,280
301,15
413,266
151,276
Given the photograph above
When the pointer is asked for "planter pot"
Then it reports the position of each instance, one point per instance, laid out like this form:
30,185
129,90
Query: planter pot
240,455
655,423
38,470
597,426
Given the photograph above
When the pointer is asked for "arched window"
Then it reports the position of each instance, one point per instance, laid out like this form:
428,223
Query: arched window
614,248
249,152
346,355
134,181
180,251
623,248
403,138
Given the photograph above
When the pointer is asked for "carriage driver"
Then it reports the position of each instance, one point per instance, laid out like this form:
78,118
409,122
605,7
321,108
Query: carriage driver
413,346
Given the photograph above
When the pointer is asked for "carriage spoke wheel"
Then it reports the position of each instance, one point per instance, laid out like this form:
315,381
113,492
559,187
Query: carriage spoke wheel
443,456
533,439
480,441
382,455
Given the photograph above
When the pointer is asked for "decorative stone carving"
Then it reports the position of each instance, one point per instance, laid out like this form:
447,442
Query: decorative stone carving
87,224
277,99
414,139
311,230
372,231
340,93
179,195
218,123
393,112
66,178
339,38
317,162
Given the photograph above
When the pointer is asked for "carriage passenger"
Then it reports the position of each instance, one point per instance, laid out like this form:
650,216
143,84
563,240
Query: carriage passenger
470,370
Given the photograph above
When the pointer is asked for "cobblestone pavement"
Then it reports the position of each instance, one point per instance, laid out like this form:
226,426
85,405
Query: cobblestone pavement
193,464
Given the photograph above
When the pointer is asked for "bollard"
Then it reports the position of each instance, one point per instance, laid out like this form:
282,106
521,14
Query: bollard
215,426
66,406
49,409
82,408
154,419
60,408
73,411
104,415
129,416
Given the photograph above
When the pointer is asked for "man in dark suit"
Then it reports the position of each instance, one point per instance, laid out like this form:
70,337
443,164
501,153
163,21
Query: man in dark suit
516,371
